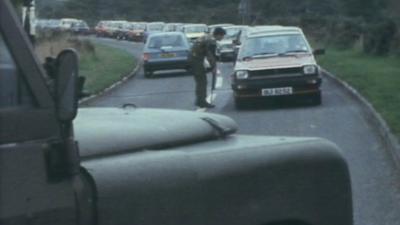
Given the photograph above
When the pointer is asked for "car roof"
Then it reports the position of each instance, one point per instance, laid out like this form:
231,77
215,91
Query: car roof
272,30
166,34
236,27
221,25
196,25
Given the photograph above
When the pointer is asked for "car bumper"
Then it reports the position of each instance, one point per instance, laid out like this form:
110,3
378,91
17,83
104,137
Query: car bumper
254,88
137,38
179,63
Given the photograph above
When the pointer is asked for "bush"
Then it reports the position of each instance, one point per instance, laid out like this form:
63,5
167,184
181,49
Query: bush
343,33
380,37
395,46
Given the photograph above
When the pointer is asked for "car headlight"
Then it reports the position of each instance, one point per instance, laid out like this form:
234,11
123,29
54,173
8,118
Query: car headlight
310,70
242,74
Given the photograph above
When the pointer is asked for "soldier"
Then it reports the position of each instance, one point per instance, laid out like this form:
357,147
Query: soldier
202,49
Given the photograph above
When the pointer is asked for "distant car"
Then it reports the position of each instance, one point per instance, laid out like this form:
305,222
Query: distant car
165,51
117,29
80,28
195,31
276,61
172,27
67,23
226,47
137,33
101,29
153,28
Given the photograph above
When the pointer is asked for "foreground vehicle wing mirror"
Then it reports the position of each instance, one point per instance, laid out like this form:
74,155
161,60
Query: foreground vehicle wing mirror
319,52
67,85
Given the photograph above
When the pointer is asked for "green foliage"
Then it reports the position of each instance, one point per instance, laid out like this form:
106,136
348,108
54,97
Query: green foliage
379,37
341,23
105,67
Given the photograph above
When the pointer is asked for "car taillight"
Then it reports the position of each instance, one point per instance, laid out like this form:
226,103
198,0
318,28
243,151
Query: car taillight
146,56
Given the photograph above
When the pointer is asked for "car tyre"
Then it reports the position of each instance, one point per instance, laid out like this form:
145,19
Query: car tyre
317,99
148,73
239,103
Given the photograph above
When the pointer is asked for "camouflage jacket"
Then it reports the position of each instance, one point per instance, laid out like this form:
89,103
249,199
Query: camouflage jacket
205,47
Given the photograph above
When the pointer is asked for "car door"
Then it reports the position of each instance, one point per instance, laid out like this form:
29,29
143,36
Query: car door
29,133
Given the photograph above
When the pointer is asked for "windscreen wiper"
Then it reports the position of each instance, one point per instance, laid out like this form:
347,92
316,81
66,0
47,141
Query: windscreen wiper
294,51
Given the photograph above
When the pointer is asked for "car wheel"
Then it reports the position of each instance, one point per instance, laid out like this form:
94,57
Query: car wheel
148,73
316,99
239,103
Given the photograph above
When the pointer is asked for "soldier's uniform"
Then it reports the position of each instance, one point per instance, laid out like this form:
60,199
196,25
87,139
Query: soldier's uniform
203,48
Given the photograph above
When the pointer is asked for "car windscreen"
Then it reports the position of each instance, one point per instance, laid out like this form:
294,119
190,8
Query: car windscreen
173,41
231,33
274,44
196,29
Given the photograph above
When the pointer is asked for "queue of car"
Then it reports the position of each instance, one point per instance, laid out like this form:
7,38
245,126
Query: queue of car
75,26
270,61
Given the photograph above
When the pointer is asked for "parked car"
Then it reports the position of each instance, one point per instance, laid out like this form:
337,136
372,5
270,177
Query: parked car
165,51
226,47
276,61
195,31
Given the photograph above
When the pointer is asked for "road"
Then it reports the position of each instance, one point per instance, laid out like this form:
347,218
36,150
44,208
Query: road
375,179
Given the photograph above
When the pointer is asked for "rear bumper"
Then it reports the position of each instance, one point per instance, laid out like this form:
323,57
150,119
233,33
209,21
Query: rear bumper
179,63
253,88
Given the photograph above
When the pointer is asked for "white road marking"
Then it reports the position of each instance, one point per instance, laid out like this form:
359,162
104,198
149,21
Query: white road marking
220,82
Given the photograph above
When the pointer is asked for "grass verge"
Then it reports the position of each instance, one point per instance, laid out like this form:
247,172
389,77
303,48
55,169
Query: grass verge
101,65
376,78
105,67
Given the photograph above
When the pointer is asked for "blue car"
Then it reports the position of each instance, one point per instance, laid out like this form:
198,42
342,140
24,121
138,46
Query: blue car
166,51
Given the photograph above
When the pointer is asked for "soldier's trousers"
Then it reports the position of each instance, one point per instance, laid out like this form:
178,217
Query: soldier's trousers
200,77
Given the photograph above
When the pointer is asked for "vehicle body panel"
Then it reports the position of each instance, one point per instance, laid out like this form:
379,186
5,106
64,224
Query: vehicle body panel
238,180
143,128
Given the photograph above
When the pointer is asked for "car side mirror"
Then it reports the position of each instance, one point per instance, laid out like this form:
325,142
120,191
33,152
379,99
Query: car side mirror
67,85
319,52
236,42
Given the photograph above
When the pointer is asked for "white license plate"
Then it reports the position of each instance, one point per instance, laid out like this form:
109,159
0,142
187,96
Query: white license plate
277,91
168,55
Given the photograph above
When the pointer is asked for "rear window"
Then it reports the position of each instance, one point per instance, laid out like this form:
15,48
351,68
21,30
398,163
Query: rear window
158,42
